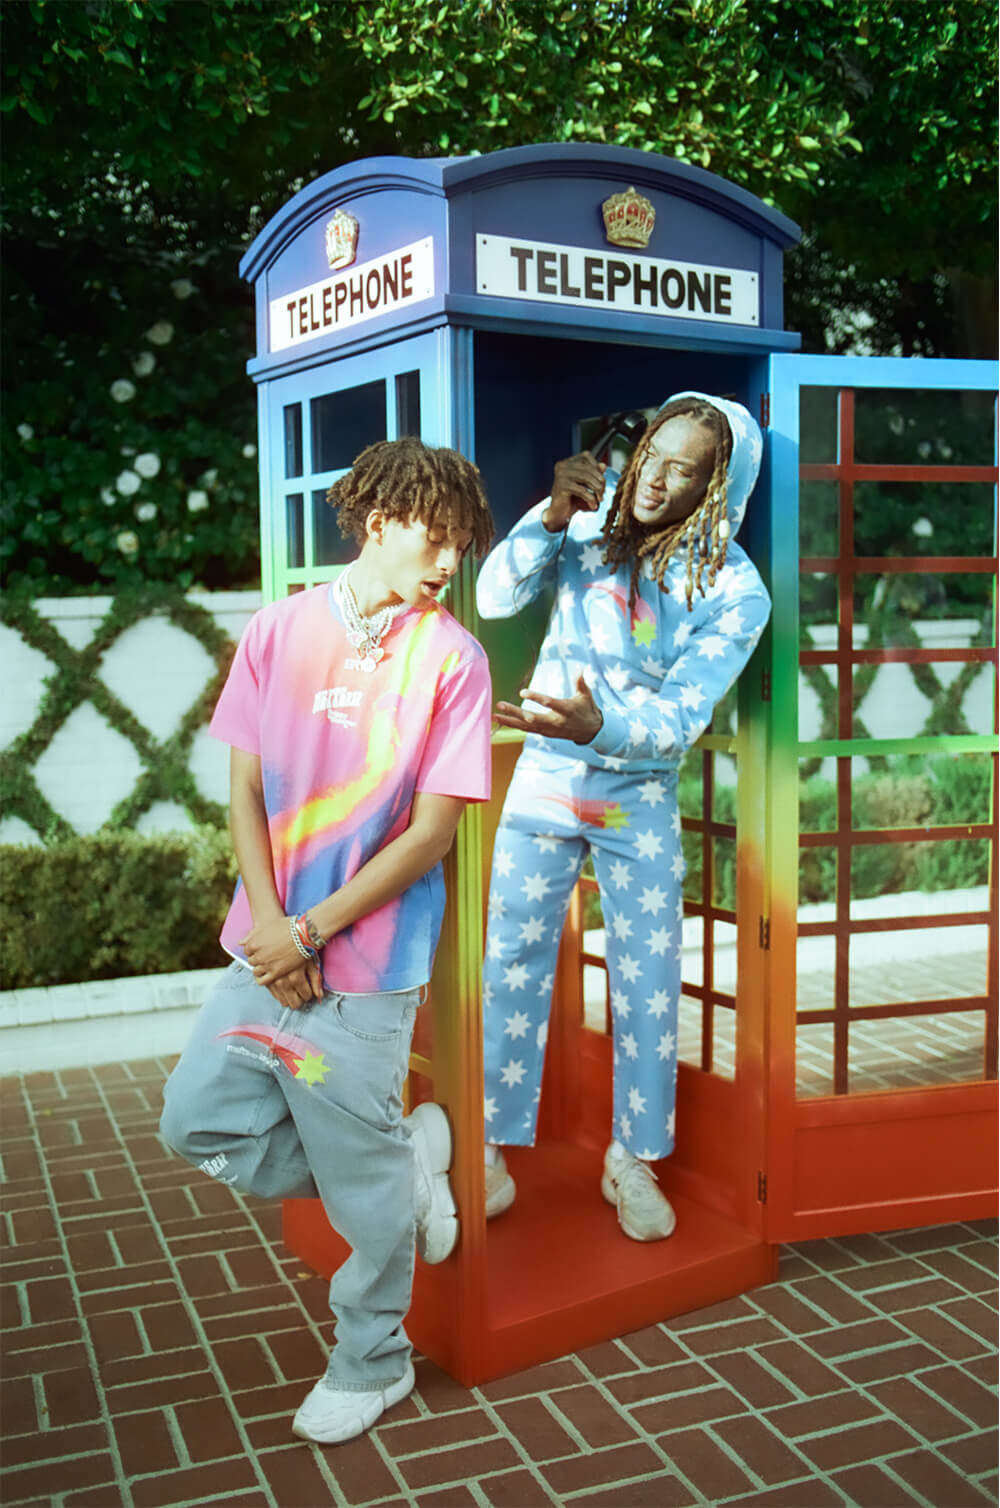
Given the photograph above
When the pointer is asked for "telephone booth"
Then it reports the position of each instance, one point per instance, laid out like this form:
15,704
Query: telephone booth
505,305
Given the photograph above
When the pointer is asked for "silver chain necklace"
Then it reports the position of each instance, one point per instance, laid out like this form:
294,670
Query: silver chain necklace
364,634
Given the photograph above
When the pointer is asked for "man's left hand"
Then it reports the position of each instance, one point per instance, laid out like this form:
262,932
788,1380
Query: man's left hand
577,718
272,954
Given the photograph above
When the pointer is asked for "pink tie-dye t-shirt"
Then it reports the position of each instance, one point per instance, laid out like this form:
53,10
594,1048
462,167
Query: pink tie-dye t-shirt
342,753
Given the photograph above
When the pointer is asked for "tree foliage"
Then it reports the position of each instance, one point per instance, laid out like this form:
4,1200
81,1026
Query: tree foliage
148,140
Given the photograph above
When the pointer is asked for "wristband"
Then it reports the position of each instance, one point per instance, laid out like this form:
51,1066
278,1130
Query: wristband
307,953
312,933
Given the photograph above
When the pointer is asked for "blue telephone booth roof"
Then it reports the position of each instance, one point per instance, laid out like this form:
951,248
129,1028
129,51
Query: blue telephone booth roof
516,239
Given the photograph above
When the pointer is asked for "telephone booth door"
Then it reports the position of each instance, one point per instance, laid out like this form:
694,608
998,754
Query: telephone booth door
881,964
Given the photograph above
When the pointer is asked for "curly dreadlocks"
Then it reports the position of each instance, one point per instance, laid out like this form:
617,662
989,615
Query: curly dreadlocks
406,479
703,536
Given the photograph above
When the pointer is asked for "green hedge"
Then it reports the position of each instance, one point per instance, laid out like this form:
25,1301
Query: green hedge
112,905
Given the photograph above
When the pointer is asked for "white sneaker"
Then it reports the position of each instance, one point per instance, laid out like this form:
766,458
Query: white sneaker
330,1414
437,1218
500,1187
643,1212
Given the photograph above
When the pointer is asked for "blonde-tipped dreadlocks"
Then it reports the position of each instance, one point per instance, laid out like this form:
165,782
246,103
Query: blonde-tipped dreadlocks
702,538
407,479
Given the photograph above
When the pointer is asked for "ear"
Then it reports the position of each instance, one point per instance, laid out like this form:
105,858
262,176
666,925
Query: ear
375,526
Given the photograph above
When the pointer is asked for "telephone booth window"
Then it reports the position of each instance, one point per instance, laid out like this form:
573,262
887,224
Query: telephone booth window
896,634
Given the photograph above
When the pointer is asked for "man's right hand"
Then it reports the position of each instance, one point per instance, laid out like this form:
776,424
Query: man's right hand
577,487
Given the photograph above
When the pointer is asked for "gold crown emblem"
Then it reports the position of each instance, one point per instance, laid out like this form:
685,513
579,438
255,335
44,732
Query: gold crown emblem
341,239
628,219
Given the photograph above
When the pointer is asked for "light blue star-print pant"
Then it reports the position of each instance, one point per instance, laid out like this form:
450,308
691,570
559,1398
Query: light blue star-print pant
556,810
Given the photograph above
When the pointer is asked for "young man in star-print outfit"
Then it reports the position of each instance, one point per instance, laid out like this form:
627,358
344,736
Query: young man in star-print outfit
359,727
656,612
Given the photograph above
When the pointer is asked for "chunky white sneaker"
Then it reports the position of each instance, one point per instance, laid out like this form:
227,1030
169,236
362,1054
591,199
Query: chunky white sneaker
500,1187
437,1218
643,1212
329,1415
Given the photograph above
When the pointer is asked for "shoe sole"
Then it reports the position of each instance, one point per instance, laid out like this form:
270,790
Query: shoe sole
430,1133
502,1199
610,1193
393,1394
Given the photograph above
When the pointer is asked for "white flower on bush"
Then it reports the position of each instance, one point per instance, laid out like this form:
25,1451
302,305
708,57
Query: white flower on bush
922,527
26,432
146,512
210,477
181,288
144,363
108,498
128,483
197,500
160,334
128,542
148,464
123,391
249,451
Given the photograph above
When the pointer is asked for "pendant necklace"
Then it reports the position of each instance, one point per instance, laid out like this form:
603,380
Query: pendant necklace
364,634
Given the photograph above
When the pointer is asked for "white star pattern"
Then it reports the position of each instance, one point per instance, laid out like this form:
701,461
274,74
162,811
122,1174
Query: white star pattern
630,967
672,1124
692,697
567,598
653,666
630,1046
675,820
515,976
651,792
621,926
620,1005
682,632
731,621
649,844
546,845
664,739
541,1037
517,1025
621,875
617,678
625,1126
652,900
494,948
598,637
512,1073
498,906
591,558
489,1109
532,930
638,696
636,732
611,763
677,866
535,887
659,1003
636,1102
659,941
503,862
546,985
665,1046
712,647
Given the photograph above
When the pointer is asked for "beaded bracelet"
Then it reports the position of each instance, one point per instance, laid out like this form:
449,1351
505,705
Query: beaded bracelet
308,954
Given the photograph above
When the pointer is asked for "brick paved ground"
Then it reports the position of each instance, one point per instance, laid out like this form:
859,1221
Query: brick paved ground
157,1339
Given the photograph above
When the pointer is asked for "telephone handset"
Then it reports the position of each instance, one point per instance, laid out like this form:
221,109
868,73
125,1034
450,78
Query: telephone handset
629,426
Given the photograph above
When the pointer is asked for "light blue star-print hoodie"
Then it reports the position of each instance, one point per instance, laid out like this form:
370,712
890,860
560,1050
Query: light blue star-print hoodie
655,671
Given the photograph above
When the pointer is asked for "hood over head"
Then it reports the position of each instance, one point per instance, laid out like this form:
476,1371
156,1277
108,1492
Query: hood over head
748,446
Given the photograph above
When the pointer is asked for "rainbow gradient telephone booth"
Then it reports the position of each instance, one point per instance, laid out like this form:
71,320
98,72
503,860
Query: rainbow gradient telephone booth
505,305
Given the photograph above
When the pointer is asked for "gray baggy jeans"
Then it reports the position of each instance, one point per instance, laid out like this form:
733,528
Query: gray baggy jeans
302,1103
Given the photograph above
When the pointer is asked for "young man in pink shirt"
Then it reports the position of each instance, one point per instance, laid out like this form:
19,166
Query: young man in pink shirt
358,716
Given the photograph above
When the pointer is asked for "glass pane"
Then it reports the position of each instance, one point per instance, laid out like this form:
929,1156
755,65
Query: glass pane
935,790
818,878
344,423
818,608
906,701
294,531
293,439
916,428
923,518
904,878
918,963
814,1059
818,689
923,610
329,545
407,404
819,518
914,1051
817,425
